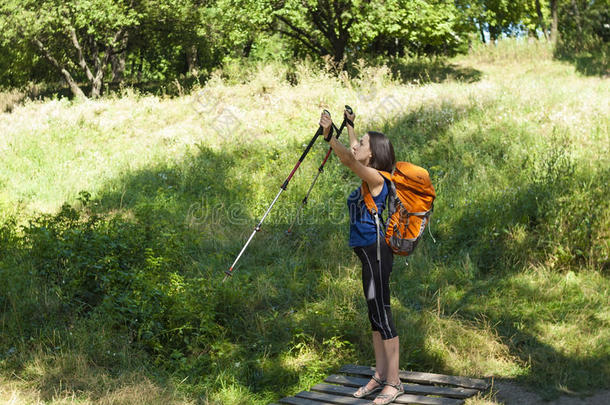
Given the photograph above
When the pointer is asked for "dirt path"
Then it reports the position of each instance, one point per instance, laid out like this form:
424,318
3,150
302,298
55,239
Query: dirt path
512,394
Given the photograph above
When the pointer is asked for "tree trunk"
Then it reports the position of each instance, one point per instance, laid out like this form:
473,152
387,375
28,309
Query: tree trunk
493,33
81,59
118,62
74,88
482,32
554,21
191,60
339,49
541,19
326,24
118,67
96,86
99,65
140,66
305,38
96,81
248,48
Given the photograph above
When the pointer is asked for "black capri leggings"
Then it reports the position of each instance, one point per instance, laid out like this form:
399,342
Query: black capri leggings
376,285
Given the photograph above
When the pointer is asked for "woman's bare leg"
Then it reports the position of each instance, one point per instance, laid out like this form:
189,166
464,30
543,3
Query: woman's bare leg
381,364
380,361
391,348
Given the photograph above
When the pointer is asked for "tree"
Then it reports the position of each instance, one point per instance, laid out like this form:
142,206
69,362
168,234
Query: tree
175,38
85,40
356,28
506,17
583,27
433,27
71,35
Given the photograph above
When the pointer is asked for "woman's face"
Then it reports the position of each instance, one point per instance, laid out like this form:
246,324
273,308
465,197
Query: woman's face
362,151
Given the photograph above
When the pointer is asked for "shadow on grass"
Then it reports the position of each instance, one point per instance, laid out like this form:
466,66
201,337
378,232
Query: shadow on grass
432,71
420,70
168,88
588,64
589,53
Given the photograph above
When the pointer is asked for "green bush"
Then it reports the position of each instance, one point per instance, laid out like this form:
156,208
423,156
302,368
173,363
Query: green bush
126,272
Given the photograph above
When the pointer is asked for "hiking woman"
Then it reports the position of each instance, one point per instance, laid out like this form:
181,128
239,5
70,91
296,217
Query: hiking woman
366,156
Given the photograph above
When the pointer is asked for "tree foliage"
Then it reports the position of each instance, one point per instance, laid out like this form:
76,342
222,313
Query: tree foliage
87,43
584,25
348,29
80,39
76,37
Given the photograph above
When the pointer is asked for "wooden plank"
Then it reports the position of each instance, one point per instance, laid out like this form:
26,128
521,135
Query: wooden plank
333,399
403,399
300,401
449,392
409,388
337,389
421,400
423,378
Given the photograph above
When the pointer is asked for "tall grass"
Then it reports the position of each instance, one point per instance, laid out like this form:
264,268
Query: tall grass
123,284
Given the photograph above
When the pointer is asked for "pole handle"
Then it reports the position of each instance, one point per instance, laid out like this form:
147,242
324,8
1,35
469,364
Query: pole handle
347,120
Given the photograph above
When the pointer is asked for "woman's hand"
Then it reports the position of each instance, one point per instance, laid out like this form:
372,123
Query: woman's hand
325,122
351,117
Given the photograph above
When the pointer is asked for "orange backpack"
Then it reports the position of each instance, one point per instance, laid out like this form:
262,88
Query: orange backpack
411,202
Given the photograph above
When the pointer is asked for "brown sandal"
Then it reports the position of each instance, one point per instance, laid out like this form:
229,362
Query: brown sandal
365,391
389,398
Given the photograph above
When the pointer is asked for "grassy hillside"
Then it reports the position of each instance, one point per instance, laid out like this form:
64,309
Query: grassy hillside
120,215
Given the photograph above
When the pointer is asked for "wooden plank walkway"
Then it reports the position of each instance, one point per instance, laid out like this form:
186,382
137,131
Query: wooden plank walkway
420,388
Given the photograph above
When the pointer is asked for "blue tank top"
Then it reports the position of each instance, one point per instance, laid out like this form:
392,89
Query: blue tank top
362,227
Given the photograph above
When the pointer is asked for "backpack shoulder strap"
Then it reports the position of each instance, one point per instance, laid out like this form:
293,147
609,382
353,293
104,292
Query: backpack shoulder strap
372,207
368,198
366,193
386,175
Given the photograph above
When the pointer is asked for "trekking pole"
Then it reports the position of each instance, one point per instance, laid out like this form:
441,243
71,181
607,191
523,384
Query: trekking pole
282,188
320,169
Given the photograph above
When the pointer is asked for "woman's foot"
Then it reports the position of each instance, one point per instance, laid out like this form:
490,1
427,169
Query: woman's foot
374,385
389,393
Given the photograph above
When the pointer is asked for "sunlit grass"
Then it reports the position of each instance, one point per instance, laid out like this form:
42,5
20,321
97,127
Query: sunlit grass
72,379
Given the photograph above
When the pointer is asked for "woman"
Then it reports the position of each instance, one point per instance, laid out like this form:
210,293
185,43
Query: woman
371,153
